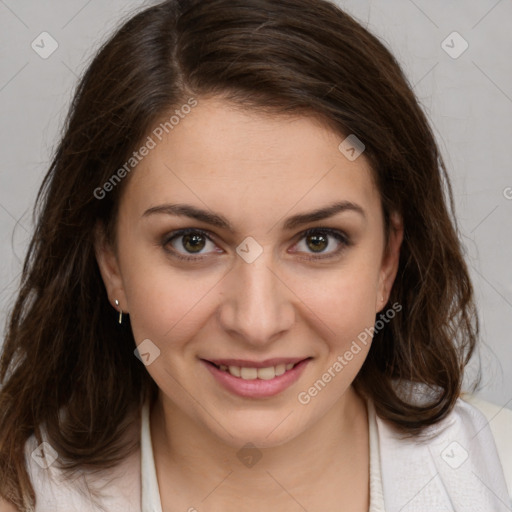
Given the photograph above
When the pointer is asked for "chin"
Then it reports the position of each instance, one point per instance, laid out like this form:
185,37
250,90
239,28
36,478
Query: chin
262,429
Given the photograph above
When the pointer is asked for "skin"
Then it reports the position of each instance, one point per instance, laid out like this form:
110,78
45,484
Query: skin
256,170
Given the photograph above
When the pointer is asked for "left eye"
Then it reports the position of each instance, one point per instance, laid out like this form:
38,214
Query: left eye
318,240
194,241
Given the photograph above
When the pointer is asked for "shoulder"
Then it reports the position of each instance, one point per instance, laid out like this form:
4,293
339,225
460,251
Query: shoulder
52,489
462,462
118,488
499,419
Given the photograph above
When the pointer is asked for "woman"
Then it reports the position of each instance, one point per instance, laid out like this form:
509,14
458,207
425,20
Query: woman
245,289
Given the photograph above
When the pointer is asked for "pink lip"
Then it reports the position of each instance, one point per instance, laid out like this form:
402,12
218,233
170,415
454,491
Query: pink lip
257,388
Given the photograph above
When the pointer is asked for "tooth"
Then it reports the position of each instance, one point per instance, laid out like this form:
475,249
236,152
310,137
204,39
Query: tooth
234,370
257,373
266,373
280,369
249,373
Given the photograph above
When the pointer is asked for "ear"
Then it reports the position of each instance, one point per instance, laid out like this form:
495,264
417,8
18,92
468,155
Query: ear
109,268
390,261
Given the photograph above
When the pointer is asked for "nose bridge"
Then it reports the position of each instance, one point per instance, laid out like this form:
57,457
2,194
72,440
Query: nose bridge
257,305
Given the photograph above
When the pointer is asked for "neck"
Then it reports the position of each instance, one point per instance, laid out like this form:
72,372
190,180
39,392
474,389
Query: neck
331,457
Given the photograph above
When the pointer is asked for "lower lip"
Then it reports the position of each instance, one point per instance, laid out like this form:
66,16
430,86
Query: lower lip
257,388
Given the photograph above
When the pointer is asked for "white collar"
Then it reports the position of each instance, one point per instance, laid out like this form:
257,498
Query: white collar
151,494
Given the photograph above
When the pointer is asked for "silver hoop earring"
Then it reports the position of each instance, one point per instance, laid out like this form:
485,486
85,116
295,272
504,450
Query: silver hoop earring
120,312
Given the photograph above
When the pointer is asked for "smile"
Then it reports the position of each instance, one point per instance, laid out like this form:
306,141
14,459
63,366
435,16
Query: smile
251,373
256,379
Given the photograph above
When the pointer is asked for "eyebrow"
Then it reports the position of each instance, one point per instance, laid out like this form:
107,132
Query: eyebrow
219,221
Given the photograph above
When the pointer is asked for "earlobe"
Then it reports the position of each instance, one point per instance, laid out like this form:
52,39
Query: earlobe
109,269
390,261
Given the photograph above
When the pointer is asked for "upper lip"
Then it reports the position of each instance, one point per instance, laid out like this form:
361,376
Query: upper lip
256,364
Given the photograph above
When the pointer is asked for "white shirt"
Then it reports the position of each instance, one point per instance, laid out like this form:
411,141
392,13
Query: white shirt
417,477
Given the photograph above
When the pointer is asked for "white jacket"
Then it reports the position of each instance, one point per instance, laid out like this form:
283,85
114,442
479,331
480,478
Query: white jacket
465,467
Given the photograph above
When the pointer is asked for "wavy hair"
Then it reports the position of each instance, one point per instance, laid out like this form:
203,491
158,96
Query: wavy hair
68,366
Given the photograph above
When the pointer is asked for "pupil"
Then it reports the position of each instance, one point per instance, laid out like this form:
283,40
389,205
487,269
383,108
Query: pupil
318,240
195,241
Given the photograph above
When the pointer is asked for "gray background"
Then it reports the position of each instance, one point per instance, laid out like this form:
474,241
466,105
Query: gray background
468,100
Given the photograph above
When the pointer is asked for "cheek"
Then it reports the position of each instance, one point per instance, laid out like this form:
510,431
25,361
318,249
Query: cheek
164,301
345,310
343,299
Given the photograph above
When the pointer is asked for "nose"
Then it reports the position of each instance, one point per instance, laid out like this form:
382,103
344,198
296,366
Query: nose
258,305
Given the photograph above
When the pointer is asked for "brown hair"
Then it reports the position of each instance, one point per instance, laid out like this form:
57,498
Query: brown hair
64,351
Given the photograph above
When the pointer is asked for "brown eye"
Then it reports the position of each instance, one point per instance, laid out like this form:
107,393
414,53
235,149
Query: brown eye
193,243
187,241
317,243
320,241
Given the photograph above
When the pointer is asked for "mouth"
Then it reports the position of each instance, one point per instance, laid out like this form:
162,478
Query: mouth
251,370
256,379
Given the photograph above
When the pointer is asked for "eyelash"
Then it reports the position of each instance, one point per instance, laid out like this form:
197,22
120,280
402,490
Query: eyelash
338,235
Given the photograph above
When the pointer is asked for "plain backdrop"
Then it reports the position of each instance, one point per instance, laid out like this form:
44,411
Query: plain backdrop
463,81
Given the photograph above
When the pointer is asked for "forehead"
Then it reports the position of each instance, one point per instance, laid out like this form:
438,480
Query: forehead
224,158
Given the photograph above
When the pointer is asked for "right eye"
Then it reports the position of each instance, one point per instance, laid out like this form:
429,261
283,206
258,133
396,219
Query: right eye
191,240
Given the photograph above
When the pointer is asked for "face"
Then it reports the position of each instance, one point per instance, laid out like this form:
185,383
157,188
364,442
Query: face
229,280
